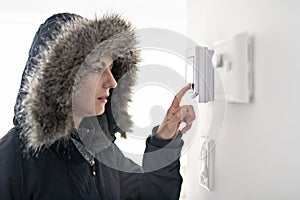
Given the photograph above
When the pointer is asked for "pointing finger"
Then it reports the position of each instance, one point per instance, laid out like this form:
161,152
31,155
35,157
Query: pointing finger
179,95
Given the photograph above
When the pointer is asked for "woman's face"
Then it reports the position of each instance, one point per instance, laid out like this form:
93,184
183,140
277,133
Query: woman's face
91,95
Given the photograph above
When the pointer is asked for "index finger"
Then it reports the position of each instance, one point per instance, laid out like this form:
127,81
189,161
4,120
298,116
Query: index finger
179,95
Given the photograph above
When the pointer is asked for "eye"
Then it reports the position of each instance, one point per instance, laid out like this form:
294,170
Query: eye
97,70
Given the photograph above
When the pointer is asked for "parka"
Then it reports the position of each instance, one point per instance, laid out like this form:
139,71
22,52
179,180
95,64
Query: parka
44,156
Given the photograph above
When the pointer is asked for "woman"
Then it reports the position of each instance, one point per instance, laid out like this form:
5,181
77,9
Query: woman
72,100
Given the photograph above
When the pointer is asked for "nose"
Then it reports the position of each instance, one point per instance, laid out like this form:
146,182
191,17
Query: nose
110,81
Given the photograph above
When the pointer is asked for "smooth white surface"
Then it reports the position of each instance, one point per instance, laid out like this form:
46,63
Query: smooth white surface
236,67
257,152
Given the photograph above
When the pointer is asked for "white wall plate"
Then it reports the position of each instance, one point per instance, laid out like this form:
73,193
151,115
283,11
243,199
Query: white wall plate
205,172
233,63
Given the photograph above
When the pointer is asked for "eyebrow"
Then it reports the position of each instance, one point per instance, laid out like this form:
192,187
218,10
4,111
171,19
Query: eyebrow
103,64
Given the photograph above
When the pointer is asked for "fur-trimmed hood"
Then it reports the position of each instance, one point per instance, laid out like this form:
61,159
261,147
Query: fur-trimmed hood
62,45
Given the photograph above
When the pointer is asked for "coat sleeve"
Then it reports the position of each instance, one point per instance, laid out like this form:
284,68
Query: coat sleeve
160,177
10,167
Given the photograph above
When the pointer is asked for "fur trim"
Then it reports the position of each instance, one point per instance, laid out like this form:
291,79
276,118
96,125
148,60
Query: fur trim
47,107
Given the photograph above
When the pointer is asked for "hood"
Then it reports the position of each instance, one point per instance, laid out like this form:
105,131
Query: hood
61,47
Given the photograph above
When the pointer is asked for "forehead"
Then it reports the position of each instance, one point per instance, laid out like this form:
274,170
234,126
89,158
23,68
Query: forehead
105,61
97,65
97,61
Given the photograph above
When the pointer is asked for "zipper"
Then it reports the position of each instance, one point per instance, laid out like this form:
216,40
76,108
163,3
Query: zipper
93,172
89,157
93,167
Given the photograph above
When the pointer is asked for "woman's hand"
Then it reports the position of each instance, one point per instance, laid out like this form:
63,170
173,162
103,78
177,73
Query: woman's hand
175,115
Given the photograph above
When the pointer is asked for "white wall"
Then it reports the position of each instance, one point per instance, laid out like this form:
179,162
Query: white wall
257,152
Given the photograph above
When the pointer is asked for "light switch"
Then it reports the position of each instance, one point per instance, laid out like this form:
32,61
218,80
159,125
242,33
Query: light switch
205,172
232,61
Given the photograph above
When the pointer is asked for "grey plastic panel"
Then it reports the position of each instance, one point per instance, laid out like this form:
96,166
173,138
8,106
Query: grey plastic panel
203,72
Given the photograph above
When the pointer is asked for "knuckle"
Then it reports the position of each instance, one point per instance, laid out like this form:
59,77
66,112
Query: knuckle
189,123
178,115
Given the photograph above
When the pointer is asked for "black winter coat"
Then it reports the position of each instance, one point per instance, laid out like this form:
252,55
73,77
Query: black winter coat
45,157
60,173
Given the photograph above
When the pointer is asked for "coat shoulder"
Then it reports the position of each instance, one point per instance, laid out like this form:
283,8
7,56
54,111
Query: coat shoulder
10,144
10,165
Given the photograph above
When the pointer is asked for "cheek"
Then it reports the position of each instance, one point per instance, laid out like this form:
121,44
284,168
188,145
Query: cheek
84,95
88,87
87,91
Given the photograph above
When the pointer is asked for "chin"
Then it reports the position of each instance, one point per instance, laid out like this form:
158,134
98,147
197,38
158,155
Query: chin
100,111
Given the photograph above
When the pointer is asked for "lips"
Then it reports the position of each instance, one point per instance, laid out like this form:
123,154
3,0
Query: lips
103,98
